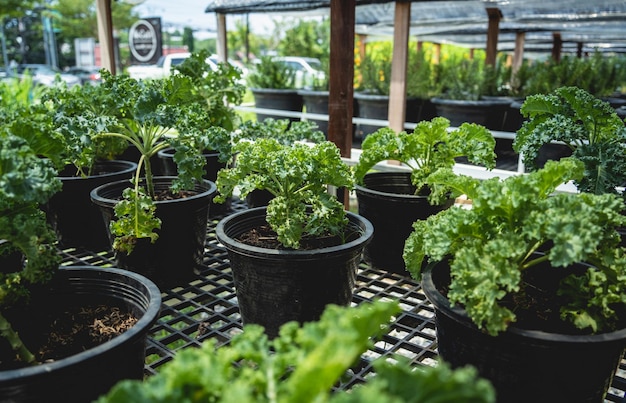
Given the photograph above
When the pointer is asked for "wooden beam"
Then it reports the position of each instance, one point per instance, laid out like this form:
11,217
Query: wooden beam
495,15
222,38
341,70
105,34
397,92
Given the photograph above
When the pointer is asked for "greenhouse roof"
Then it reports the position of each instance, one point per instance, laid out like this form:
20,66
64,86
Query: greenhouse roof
598,24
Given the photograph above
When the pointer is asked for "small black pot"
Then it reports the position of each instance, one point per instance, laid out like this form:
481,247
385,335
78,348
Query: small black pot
281,99
275,286
388,200
70,212
85,376
175,256
316,102
212,167
525,365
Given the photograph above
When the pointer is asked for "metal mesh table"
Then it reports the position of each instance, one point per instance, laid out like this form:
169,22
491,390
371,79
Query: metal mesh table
206,307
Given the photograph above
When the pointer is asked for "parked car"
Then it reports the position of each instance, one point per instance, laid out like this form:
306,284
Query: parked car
162,68
45,75
86,74
308,69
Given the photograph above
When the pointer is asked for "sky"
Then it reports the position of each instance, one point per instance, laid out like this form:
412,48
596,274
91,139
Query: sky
181,13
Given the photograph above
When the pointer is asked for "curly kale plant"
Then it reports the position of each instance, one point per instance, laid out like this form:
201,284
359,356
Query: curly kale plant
491,245
588,126
154,115
430,147
272,74
282,130
298,176
303,364
26,181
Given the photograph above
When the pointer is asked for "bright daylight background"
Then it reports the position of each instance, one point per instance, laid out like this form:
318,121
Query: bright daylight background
180,13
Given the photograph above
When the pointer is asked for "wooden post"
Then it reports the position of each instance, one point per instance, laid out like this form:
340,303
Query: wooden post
397,92
341,91
494,15
436,53
222,39
518,53
557,45
105,34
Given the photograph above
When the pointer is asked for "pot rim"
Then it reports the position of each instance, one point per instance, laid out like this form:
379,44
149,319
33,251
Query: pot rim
105,201
129,167
443,304
366,227
148,318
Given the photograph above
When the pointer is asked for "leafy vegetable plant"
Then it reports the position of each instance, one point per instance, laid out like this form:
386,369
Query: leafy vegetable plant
491,246
588,126
154,115
298,176
26,181
303,364
430,147
272,74
282,130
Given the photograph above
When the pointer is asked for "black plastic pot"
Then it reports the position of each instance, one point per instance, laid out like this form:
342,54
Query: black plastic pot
525,365
70,212
281,99
388,201
212,167
85,376
486,112
275,286
316,102
376,107
175,256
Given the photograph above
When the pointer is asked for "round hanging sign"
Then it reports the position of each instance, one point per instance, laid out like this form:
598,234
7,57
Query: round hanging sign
142,40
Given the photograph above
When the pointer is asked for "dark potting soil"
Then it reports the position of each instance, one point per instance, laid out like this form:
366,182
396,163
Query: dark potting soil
67,332
264,237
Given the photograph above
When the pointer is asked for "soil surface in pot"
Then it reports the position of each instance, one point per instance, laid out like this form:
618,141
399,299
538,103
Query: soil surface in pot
65,332
264,237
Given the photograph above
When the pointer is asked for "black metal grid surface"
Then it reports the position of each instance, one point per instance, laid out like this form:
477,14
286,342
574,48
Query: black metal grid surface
206,307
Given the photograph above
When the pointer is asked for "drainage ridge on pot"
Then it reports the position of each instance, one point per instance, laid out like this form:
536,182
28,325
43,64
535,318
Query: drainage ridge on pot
274,286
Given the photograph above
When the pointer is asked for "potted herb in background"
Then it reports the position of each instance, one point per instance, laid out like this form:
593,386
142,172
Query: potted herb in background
585,127
272,84
158,223
217,91
305,363
372,92
392,201
69,333
528,284
300,253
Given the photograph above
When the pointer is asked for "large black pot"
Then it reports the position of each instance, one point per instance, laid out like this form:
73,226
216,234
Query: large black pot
488,112
388,201
525,365
212,167
275,286
85,376
175,256
281,99
70,212
376,107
